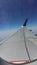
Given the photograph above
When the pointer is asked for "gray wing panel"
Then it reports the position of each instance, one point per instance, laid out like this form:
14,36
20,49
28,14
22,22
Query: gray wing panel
14,48
31,43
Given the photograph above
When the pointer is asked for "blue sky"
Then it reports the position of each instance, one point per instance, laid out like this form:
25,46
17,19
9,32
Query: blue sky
14,12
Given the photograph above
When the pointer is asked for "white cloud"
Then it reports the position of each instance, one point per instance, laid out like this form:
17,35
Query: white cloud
34,29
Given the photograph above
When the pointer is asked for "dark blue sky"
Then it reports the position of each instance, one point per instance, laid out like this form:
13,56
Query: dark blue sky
14,12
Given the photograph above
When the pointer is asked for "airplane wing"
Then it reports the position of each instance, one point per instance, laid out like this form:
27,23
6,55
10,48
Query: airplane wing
3,62
19,46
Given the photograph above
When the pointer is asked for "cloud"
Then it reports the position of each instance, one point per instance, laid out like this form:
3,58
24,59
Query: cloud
34,29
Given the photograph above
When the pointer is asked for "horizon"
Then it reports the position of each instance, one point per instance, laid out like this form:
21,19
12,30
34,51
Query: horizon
13,14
